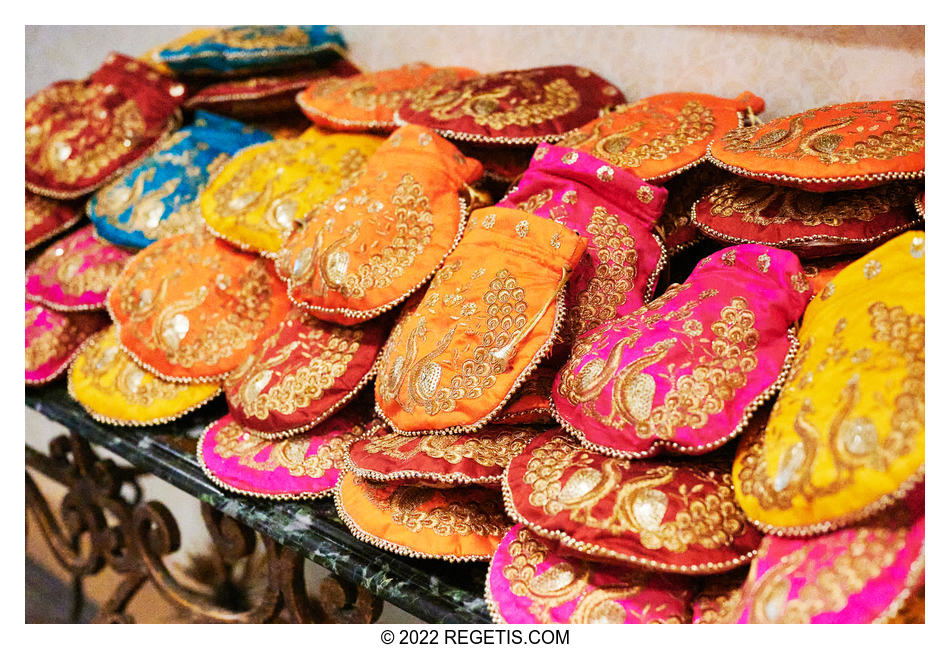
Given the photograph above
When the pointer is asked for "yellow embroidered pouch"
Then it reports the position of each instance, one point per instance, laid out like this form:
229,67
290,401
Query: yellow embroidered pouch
381,239
463,523
846,435
114,390
489,316
260,196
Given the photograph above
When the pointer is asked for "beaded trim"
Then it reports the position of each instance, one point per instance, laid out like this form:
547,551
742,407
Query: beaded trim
601,552
539,355
487,139
56,231
657,446
911,584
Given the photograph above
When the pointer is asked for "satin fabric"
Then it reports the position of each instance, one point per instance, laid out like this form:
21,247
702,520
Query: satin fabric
46,218
52,339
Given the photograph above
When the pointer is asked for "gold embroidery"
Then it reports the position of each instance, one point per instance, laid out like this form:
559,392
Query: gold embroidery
128,381
615,258
752,199
530,103
906,136
710,521
260,37
853,441
321,357
694,123
482,517
51,344
563,582
72,153
494,451
290,454
534,203
69,274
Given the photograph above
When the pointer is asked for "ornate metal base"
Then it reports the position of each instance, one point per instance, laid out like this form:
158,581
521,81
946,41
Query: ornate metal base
103,522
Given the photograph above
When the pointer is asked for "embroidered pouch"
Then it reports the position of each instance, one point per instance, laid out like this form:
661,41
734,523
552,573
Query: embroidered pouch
530,581
191,308
685,372
301,467
53,339
46,218
812,224
368,101
675,226
76,272
719,596
303,373
666,516
253,48
831,148
154,199
531,403
264,95
663,135
151,56
79,134
463,523
512,107
114,390
484,324
264,192
468,458
616,211
856,575
374,244
846,435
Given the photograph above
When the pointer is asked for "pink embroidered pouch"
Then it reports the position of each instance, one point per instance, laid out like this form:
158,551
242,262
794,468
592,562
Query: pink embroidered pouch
304,466
530,581
686,371
856,575
76,272
53,338
616,211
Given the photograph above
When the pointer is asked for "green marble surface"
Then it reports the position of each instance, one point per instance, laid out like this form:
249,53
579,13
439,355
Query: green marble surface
434,591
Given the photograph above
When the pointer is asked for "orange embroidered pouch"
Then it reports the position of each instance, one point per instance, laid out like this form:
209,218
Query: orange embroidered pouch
79,134
303,373
811,224
191,308
678,516
663,135
484,324
467,458
463,523
831,148
368,101
46,218
512,107
370,247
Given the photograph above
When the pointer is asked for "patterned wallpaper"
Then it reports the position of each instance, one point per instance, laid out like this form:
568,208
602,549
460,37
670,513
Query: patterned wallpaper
792,67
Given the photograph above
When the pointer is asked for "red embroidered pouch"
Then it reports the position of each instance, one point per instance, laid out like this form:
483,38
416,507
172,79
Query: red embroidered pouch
512,107
675,226
303,373
46,218
811,224
676,516
531,404
467,458
76,272
79,134
685,372
831,148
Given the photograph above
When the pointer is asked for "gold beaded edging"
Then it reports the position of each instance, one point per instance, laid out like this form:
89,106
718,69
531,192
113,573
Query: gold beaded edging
919,204
322,417
847,520
362,316
911,584
494,608
601,552
657,446
171,125
197,101
112,421
304,495
661,263
539,355
551,138
395,548
875,178
798,243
